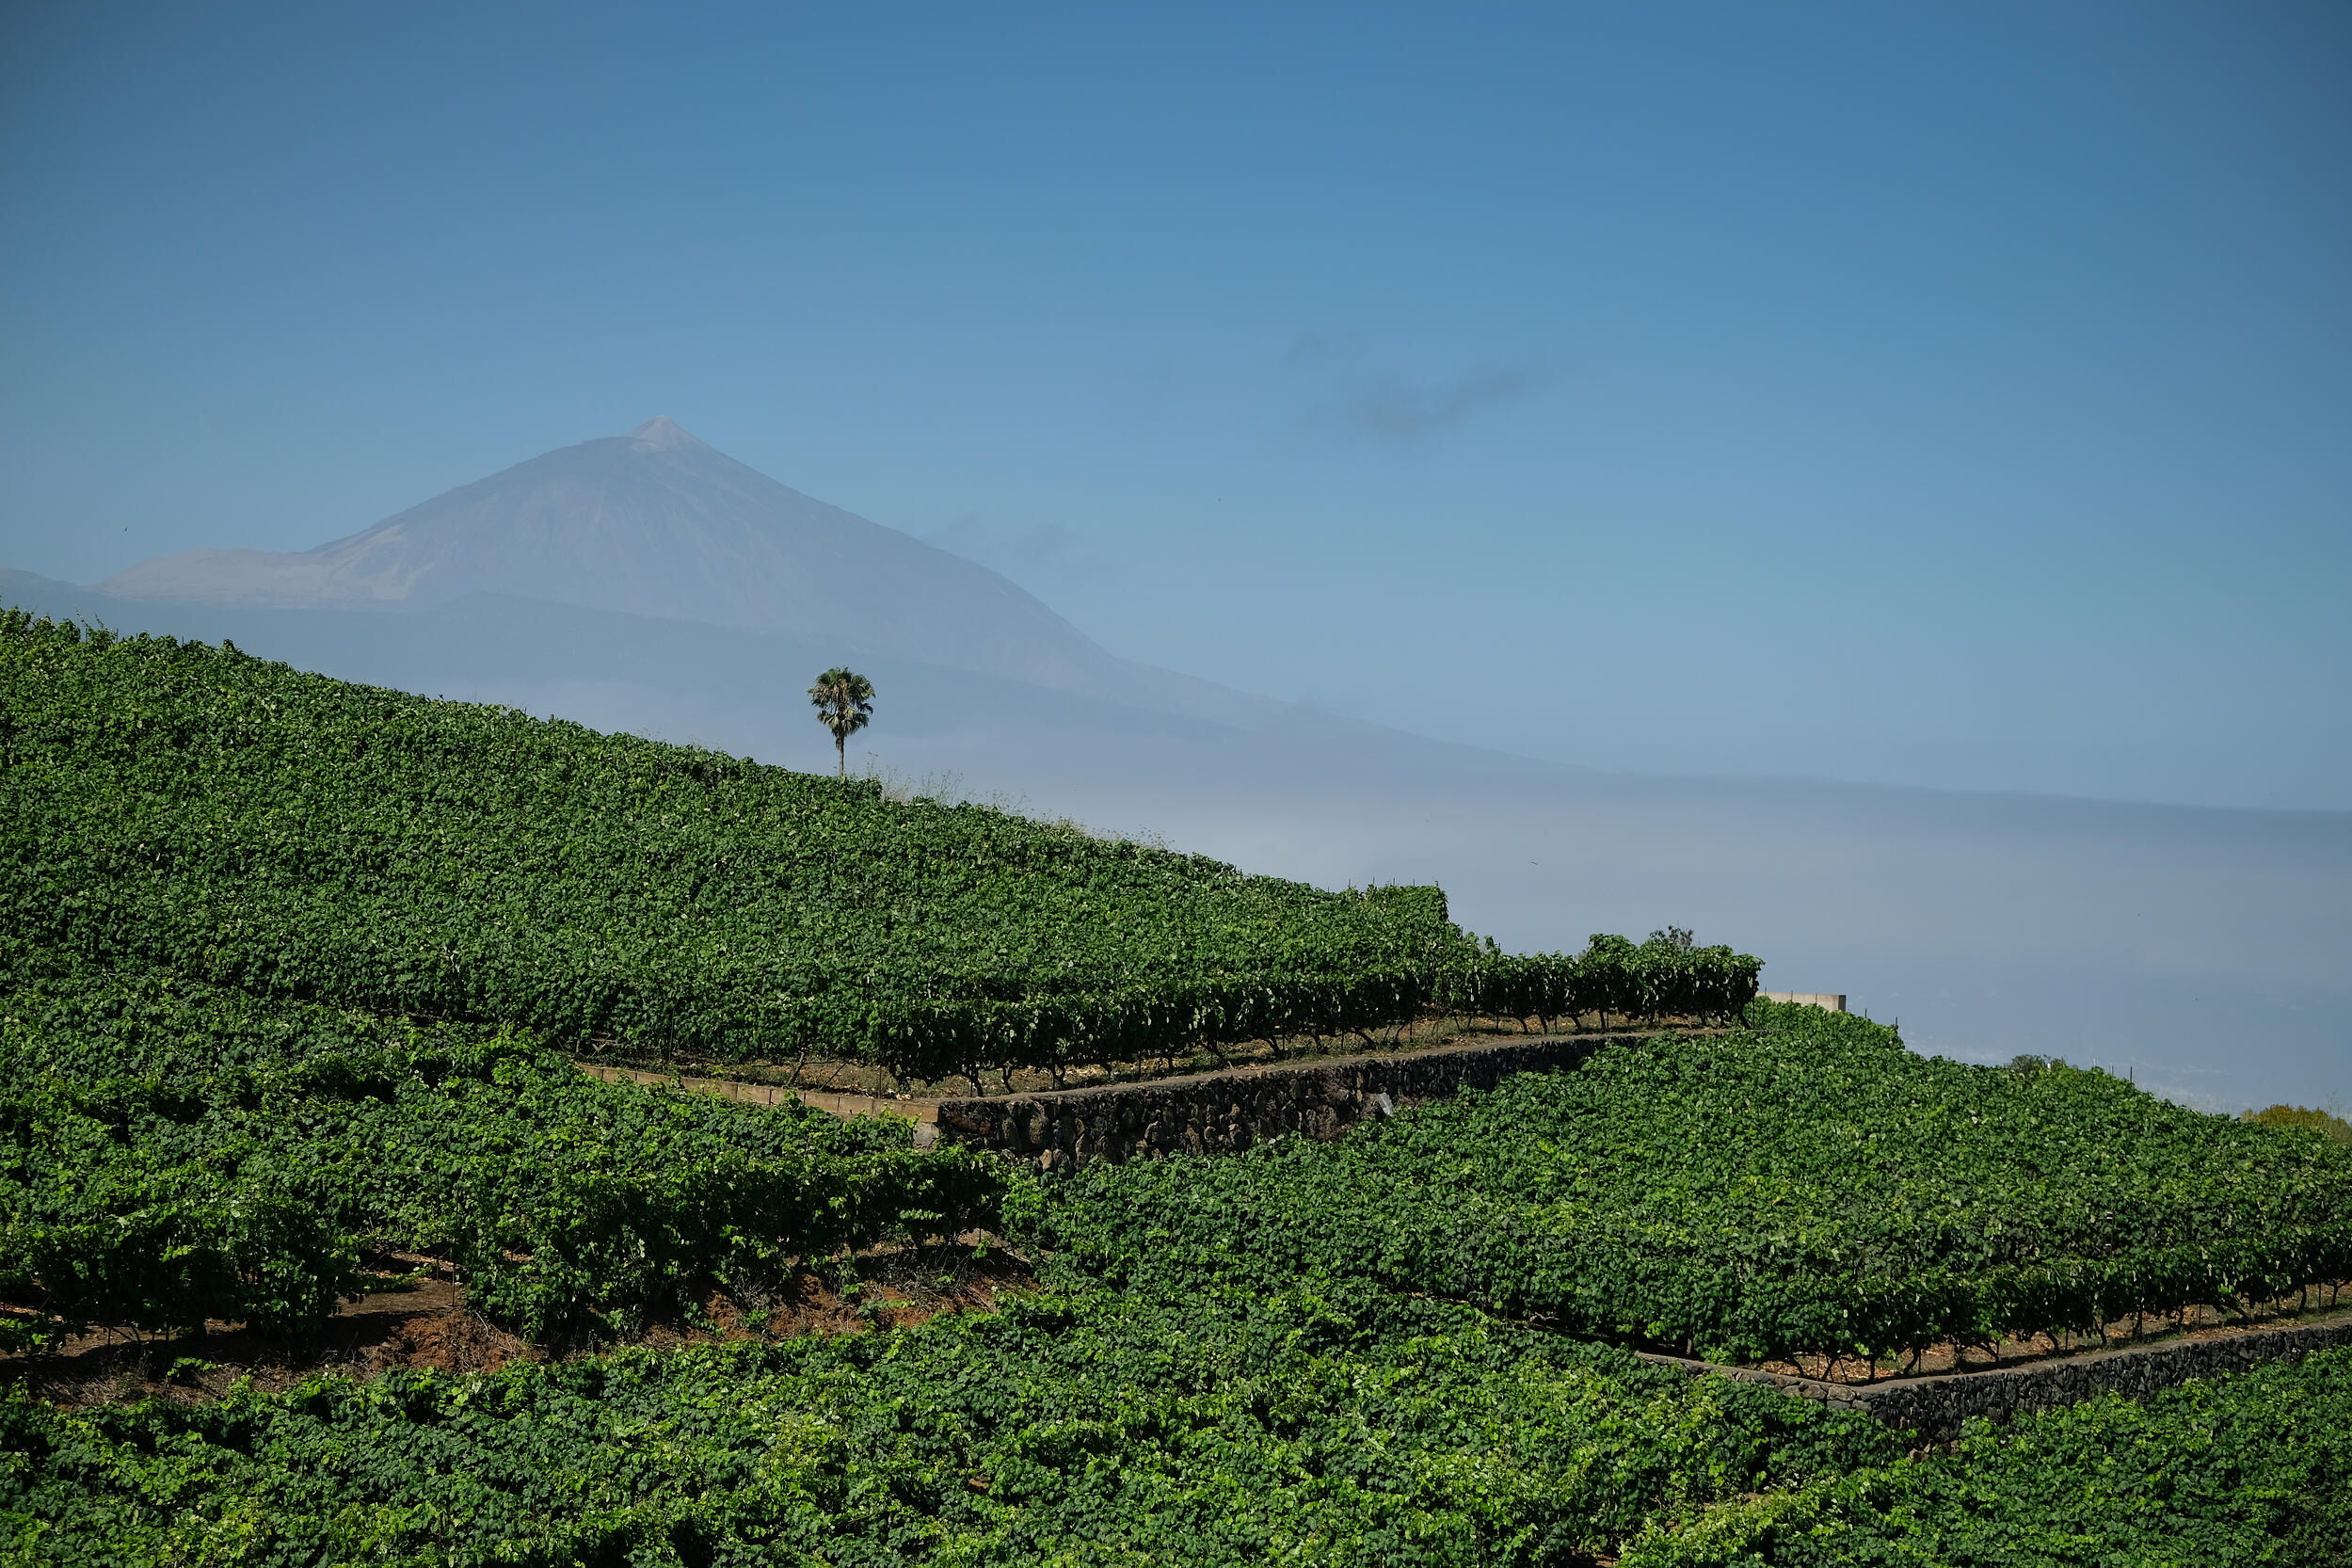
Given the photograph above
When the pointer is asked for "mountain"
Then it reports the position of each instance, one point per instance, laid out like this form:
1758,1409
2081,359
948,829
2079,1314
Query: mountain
647,583
657,523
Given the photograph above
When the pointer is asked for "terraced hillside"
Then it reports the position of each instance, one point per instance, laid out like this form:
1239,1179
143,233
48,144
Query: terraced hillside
176,1152
1803,1185
185,807
288,970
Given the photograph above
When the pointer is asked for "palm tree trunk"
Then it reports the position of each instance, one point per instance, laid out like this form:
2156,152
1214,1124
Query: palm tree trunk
841,757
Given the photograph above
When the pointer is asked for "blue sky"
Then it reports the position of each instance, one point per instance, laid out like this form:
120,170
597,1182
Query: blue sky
1951,395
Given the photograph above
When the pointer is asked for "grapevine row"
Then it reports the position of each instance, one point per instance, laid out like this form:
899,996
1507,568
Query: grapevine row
1665,977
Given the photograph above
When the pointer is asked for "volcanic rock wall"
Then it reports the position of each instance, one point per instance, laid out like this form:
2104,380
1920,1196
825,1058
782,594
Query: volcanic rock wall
1223,1112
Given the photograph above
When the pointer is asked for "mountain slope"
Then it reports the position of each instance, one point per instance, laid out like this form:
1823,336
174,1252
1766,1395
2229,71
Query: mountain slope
657,523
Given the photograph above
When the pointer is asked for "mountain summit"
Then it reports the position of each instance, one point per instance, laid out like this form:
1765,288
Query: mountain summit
664,431
655,522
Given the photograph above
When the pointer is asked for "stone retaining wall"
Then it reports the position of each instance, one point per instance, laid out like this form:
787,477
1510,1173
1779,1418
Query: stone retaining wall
1223,1112
1935,1407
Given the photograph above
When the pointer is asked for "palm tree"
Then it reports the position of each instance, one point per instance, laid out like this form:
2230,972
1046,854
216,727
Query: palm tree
844,703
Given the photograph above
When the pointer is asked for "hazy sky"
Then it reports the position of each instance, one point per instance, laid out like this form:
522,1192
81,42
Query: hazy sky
1941,394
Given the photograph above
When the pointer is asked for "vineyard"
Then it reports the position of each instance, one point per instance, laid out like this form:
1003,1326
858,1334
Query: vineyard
1804,1186
175,1152
292,978
1064,1430
2255,1468
186,808
1318,1425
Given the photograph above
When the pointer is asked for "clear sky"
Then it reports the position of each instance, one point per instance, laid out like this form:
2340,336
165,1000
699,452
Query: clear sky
1941,394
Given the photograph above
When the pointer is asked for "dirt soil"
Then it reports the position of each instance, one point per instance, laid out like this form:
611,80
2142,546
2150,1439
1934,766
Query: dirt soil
424,1322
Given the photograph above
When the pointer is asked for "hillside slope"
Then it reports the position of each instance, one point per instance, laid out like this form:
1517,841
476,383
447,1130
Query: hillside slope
1802,1186
190,807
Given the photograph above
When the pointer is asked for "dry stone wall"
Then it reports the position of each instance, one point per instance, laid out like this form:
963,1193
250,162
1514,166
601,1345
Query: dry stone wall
1223,1112
1936,1406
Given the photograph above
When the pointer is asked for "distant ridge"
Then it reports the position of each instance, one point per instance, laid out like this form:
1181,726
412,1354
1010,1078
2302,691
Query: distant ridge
657,522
